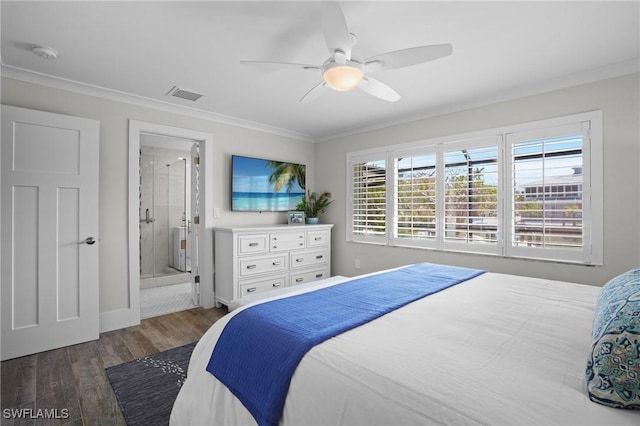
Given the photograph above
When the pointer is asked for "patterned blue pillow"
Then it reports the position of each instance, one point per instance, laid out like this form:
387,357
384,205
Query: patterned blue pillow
613,368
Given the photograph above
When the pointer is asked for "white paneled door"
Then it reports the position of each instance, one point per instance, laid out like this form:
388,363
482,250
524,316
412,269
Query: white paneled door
49,231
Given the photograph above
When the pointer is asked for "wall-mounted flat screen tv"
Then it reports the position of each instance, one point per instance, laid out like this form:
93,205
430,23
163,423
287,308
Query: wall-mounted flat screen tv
259,185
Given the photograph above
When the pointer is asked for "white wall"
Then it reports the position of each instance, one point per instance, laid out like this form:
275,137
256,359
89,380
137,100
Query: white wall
114,118
618,98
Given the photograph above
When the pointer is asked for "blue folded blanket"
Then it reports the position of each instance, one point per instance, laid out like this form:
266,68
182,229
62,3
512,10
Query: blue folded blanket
260,347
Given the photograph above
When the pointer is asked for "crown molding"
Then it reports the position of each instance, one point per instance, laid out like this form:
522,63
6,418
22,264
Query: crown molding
572,80
33,77
589,76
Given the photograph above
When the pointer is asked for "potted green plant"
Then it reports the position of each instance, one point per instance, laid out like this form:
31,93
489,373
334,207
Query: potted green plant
314,204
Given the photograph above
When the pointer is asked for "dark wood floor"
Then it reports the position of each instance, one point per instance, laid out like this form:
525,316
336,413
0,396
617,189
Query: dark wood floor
73,378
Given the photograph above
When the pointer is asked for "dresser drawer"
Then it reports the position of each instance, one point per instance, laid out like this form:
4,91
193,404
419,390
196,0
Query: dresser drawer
248,287
253,244
309,258
286,241
318,238
308,276
262,265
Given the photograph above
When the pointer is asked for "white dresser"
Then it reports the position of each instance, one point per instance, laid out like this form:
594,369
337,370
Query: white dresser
253,259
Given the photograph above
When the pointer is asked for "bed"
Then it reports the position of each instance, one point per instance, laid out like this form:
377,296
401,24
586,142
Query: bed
493,349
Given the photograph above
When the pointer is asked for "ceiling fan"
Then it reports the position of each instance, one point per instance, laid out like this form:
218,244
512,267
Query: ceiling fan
344,72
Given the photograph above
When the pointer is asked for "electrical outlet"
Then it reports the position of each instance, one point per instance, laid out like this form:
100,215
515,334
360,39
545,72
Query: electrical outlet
357,265
216,212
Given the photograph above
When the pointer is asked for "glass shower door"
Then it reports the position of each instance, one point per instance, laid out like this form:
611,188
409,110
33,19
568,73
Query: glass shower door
163,212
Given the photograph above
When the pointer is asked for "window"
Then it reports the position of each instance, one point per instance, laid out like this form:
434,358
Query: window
532,190
369,199
548,192
415,198
471,214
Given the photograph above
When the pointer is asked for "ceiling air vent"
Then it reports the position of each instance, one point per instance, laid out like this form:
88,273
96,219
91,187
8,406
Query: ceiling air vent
184,94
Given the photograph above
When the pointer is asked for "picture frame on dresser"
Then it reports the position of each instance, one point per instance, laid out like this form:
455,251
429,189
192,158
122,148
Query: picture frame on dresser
295,217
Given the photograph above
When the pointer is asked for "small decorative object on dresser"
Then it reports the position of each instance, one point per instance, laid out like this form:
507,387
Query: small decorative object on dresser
295,218
253,259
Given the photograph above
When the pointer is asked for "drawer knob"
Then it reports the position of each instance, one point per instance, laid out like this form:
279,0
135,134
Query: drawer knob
275,247
253,244
300,259
275,238
276,284
251,266
277,263
301,244
318,238
319,256
319,275
251,290
299,280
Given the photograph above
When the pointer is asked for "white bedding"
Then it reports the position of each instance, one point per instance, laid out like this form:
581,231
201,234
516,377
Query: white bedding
497,349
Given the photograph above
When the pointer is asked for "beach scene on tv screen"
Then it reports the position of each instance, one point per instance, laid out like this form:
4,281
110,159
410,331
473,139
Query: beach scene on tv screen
265,185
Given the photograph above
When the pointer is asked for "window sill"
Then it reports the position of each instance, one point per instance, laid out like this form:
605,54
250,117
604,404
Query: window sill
483,254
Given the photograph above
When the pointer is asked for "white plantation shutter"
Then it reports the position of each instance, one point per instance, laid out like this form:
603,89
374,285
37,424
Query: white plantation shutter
471,205
415,198
550,192
368,205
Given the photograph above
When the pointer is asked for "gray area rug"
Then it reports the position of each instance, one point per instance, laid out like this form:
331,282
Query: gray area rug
147,387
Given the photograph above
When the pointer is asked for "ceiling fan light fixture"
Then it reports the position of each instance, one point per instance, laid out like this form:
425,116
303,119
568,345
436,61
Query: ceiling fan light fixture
343,77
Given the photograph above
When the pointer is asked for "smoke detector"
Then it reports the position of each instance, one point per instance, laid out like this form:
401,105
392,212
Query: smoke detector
45,52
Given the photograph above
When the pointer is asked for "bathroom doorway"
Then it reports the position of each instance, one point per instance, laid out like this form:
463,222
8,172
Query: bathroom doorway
166,230
200,145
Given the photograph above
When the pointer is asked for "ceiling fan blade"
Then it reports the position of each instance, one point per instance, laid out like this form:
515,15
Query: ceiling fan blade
280,65
378,89
336,30
315,93
407,57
